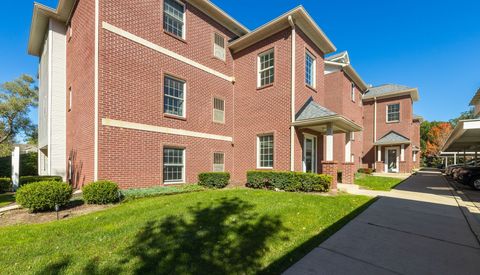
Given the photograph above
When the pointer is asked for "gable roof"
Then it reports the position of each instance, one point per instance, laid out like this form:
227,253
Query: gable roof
391,90
392,138
301,18
311,109
341,57
342,61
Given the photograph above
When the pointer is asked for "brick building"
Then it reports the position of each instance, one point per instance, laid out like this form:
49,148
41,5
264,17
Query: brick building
154,92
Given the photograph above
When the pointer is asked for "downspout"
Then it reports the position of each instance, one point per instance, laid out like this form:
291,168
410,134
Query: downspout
292,97
375,128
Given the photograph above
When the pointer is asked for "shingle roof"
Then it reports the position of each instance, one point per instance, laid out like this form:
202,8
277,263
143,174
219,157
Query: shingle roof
386,89
392,138
311,110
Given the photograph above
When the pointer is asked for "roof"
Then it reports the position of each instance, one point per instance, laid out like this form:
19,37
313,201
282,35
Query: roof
476,99
342,61
313,110
341,57
418,117
301,18
390,90
392,138
42,14
464,137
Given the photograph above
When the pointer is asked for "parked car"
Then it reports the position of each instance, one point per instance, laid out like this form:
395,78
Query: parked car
470,176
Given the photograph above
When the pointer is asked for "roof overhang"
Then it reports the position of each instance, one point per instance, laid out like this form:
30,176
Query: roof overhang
476,99
391,143
465,137
40,20
220,16
340,124
301,18
412,92
351,73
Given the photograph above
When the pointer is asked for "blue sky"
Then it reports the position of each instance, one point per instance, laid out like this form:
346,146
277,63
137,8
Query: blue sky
423,44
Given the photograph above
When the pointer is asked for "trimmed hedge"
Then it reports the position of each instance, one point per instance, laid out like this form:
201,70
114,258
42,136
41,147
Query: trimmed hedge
214,179
289,181
29,179
101,192
367,171
5,185
43,195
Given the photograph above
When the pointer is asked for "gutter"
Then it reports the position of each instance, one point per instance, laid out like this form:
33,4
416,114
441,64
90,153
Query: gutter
292,95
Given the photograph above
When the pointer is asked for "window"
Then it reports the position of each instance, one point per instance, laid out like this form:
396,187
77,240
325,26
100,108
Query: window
265,151
219,46
173,165
69,98
393,112
218,110
310,70
174,96
352,92
174,17
218,162
266,68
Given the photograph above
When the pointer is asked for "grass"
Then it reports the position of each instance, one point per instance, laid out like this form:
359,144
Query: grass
376,183
160,190
212,232
6,199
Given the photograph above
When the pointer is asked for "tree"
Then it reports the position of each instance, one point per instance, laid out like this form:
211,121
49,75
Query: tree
438,135
470,114
16,98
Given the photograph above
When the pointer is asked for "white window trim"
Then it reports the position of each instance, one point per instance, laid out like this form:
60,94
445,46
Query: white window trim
213,110
184,27
184,96
223,164
352,92
224,47
386,113
314,69
258,151
259,70
315,152
182,181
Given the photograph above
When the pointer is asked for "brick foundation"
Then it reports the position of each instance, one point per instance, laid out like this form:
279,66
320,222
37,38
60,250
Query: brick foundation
348,174
379,165
331,168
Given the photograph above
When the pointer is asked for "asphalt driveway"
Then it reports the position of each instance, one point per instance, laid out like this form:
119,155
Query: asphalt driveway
418,229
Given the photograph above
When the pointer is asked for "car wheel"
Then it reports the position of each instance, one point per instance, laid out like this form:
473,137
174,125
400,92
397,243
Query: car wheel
476,183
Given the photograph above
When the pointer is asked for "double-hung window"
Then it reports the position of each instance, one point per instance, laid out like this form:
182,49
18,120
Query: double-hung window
310,69
266,69
393,112
352,92
173,165
174,96
219,46
218,110
265,151
174,17
218,162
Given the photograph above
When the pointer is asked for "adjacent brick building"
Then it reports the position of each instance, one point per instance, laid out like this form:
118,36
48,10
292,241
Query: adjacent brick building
154,92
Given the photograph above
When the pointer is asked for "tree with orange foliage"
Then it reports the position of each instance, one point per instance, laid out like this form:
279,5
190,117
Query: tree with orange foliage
437,136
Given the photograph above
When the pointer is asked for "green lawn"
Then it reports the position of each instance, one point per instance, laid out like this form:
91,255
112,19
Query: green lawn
210,232
376,183
6,199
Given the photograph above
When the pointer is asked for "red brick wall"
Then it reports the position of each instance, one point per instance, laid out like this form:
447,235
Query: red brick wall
80,77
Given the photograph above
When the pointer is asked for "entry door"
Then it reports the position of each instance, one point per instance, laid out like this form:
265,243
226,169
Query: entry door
391,159
310,154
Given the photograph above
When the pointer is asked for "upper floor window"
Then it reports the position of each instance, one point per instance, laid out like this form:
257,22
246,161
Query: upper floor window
219,46
266,69
310,69
174,17
174,96
265,151
352,92
218,110
218,162
393,112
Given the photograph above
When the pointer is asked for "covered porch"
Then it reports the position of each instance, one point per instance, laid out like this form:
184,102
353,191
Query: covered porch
390,153
314,118
463,141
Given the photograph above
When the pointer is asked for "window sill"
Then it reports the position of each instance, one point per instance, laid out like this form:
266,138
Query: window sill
181,39
264,87
392,122
173,182
174,117
311,87
219,122
264,168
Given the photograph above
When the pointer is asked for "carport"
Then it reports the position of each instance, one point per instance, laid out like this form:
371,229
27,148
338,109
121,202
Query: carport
464,140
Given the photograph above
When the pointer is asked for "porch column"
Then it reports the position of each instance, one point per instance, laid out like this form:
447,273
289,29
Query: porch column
446,162
464,158
402,152
476,155
348,147
379,164
379,151
329,143
348,172
454,158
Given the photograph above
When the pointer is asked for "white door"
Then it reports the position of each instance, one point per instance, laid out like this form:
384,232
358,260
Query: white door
310,154
392,159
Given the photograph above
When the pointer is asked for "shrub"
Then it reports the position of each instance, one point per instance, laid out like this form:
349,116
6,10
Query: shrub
367,171
5,185
101,192
29,179
214,179
289,181
43,195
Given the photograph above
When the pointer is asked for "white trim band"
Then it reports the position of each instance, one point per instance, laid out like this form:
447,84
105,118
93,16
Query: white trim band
164,51
163,130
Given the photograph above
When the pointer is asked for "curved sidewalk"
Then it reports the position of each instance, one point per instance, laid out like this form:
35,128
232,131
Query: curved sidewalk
418,228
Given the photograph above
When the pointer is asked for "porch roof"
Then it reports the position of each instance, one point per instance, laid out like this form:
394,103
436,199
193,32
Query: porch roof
316,117
392,138
465,137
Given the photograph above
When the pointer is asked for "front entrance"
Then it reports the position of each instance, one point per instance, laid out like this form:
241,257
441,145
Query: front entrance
310,154
391,159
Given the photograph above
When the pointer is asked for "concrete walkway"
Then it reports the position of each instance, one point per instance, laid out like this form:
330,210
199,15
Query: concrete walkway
418,228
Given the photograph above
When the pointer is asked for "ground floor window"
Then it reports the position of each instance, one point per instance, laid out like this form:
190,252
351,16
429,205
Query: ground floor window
173,165
265,151
218,162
